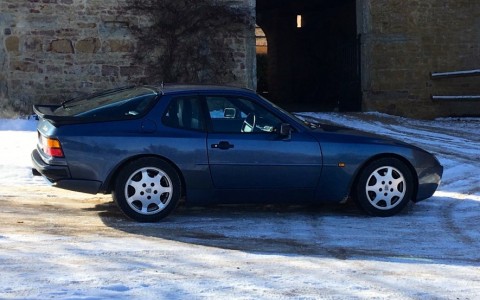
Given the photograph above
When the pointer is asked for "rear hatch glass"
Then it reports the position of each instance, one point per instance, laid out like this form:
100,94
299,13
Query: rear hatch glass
111,104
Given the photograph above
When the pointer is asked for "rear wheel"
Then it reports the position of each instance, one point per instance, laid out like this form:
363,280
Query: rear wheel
147,189
384,187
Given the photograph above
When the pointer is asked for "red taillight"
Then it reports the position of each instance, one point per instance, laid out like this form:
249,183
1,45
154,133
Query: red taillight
50,146
55,152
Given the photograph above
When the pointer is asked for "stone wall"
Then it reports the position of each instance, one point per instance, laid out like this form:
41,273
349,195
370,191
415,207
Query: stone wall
404,40
50,49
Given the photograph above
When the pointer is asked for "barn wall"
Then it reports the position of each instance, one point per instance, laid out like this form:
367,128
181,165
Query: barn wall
404,40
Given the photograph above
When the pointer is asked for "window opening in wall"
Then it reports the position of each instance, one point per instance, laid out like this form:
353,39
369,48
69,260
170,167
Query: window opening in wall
299,21
262,60
261,41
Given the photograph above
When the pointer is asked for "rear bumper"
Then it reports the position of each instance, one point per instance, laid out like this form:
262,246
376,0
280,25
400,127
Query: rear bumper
60,176
51,172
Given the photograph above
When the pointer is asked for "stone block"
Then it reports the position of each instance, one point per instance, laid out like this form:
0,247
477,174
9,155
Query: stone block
61,46
12,43
34,44
24,66
87,25
119,46
131,71
48,33
85,84
68,32
88,45
108,70
54,69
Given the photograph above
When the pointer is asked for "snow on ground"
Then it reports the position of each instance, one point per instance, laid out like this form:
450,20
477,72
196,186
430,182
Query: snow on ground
18,139
65,245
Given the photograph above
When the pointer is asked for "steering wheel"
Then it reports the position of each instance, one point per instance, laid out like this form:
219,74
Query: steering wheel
249,123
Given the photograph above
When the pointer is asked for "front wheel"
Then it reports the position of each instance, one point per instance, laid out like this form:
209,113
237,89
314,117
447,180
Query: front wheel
384,187
147,189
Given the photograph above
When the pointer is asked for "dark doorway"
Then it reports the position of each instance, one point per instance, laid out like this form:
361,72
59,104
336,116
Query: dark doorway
313,54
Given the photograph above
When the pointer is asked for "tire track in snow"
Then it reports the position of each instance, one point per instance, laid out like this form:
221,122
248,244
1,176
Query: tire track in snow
461,219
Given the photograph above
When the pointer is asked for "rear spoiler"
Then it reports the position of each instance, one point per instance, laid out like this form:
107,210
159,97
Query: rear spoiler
47,112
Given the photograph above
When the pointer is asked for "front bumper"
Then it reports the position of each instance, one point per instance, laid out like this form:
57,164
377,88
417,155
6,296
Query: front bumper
428,182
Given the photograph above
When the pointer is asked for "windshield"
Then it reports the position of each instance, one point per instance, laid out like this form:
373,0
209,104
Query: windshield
293,116
112,103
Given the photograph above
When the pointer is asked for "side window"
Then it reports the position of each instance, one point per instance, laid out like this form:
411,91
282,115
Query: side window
231,114
184,112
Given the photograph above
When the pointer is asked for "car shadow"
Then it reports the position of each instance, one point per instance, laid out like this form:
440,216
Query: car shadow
252,228
337,231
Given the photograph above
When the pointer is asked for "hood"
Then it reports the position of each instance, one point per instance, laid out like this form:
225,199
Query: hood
327,132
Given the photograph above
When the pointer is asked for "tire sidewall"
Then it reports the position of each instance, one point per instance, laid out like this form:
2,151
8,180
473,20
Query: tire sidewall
360,189
118,192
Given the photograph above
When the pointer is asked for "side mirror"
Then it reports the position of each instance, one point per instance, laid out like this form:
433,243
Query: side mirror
285,130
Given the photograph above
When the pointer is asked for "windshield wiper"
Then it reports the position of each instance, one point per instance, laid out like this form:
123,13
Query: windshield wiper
309,121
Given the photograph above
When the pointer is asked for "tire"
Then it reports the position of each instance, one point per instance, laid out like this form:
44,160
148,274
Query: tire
384,187
147,189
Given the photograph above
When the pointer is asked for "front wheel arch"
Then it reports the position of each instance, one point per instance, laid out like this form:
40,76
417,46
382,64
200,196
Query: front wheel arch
366,164
377,157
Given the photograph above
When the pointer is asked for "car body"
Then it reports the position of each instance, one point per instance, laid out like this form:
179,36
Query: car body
151,145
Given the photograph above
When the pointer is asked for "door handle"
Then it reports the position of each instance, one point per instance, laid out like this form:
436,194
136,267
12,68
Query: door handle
224,145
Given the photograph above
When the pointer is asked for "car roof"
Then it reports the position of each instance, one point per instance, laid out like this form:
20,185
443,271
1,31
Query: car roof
169,88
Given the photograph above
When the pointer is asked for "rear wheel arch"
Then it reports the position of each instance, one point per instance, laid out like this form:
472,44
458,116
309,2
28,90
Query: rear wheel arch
147,189
112,177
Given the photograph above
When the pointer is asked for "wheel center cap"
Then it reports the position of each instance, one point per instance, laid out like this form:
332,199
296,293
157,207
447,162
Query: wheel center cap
149,190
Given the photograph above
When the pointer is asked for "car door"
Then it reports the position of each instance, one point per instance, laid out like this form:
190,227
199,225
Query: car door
246,152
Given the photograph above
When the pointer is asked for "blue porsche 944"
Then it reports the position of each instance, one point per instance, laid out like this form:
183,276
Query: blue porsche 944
150,146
